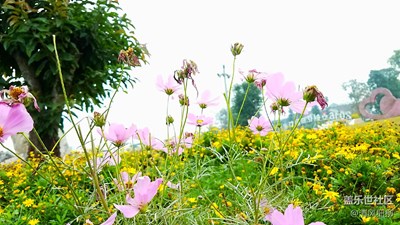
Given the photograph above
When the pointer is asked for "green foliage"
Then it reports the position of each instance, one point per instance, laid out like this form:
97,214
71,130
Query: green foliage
247,98
357,91
345,160
89,35
387,78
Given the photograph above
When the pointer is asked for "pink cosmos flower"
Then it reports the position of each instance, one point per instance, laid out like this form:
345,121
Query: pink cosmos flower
200,120
127,182
171,147
13,119
173,186
118,134
293,216
284,93
110,159
206,100
260,125
18,95
261,80
169,87
144,191
147,140
250,76
109,221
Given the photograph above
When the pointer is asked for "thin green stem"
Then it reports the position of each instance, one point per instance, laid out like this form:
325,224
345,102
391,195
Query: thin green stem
295,126
231,127
244,100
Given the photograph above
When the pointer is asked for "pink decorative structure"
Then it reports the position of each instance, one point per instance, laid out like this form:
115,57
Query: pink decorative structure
389,105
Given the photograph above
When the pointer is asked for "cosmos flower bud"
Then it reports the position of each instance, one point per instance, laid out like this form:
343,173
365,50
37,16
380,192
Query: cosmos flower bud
183,100
311,93
128,57
169,120
274,107
236,49
98,119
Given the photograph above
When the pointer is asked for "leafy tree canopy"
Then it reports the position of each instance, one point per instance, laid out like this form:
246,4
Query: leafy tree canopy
387,78
248,95
357,91
89,36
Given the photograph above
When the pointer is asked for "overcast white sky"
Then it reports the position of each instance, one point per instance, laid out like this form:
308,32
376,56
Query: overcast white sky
316,42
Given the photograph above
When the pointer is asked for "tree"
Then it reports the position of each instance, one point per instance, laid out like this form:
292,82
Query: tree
222,117
251,105
357,91
89,36
387,78
394,60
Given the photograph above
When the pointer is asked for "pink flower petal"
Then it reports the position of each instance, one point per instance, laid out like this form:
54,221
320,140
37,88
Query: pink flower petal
276,218
128,211
16,119
110,220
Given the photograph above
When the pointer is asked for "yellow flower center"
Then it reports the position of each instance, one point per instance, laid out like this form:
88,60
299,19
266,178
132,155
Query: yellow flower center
200,121
1,132
259,128
129,185
15,92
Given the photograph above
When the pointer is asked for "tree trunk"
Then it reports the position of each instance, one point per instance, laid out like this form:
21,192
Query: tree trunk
47,122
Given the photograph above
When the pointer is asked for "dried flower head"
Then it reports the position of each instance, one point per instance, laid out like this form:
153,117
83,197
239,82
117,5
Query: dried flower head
18,95
311,93
129,57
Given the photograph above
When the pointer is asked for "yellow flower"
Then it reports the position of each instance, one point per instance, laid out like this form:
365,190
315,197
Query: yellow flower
331,195
192,200
28,202
33,222
273,171
391,190
365,219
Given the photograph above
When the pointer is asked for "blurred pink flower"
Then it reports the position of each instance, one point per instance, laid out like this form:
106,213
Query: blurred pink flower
144,191
13,119
118,134
171,147
173,186
284,93
147,140
110,159
169,87
200,120
261,80
260,125
207,100
293,216
128,182
109,221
